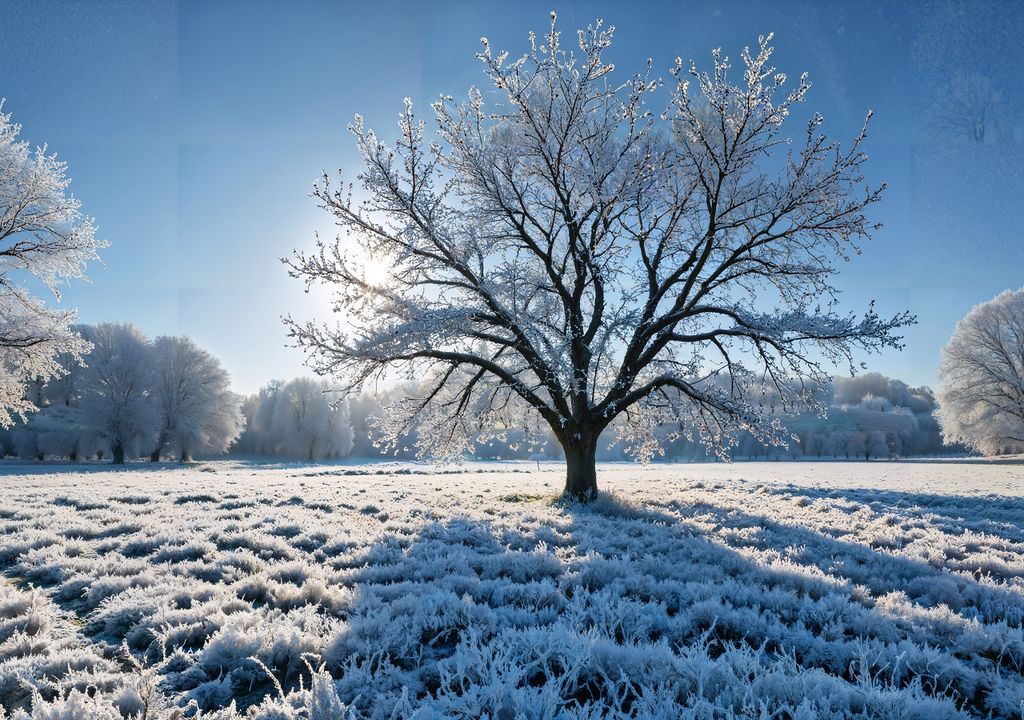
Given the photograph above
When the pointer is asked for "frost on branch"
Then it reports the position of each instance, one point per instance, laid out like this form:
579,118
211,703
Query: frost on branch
559,247
43,235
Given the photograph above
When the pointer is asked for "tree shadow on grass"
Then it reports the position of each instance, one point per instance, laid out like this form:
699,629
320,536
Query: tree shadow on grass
999,515
527,606
539,605
985,590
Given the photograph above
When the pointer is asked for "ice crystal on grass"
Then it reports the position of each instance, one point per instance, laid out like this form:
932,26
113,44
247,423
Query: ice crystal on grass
683,591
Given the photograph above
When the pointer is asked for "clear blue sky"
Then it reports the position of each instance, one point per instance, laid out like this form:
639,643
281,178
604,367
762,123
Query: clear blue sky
194,130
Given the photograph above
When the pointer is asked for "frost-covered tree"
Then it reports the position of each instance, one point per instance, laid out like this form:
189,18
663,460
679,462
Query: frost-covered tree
561,253
116,403
309,421
981,399
855,389
362,408
45,239
875,403
195,409
59,432
65,387
870,443
259,414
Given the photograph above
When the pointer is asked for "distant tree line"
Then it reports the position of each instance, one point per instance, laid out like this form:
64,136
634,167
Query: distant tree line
870,416
132,397
170,399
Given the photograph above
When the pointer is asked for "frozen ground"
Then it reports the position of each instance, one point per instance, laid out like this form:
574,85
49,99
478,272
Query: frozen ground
756,590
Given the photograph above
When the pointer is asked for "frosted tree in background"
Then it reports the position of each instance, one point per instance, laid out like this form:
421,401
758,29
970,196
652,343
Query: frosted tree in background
981,399
560,253
116,404
259,414
59,432
43,237
195,408
308,421
130,397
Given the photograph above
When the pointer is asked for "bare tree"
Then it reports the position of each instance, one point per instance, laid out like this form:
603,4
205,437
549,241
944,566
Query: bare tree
969,92
965,109
981,401
560,249
43,238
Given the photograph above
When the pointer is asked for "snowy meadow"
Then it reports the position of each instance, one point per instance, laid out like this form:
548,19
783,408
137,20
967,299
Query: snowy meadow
768,590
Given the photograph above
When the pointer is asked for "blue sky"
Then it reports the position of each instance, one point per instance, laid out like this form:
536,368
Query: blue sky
194,130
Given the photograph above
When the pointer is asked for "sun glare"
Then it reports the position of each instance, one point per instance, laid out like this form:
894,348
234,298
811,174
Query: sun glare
375,270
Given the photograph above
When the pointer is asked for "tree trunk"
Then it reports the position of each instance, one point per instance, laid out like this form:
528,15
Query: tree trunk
118,452
581,469
185,457
160,442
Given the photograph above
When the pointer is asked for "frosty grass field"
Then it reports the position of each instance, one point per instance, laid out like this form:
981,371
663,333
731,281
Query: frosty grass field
764,590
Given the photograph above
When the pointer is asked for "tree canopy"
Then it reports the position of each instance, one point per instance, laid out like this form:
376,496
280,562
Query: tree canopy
981,400
44,238
558,251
